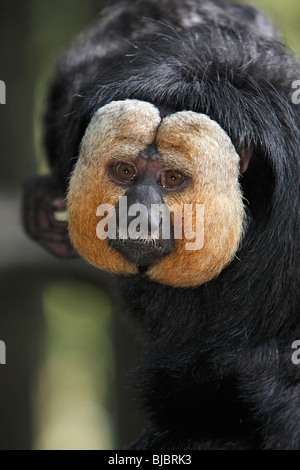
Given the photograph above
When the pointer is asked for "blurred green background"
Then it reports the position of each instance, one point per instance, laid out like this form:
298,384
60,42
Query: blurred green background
69,348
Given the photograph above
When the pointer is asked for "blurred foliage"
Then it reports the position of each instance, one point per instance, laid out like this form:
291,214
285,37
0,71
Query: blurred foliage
33,33
75,391
286,17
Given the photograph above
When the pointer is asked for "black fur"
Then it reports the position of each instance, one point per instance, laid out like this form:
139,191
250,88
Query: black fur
217,371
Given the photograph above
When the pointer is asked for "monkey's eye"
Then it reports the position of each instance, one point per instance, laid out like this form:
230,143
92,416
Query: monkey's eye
171,179
124,172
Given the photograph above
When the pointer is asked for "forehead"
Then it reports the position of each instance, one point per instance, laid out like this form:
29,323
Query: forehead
128,120
131,127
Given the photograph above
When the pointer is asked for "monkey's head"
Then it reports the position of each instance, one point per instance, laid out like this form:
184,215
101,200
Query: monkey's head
161,196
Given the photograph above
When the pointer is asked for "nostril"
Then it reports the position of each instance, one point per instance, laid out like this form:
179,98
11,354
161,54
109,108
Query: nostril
143,269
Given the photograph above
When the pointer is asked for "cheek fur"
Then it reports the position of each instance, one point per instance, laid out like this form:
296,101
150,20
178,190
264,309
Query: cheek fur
223,230
86,193
201,144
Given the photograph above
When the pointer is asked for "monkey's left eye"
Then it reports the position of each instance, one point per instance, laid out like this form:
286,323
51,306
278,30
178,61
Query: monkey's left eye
124,172
171,179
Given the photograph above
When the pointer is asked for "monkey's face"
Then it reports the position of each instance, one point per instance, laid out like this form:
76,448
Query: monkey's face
157,195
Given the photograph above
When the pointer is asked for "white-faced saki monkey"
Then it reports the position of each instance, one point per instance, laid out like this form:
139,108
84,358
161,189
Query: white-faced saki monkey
173,138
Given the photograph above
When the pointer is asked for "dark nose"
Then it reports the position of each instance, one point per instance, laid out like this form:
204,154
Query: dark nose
148,228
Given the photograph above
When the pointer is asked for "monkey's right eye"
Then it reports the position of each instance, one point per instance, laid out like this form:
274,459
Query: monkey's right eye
124,172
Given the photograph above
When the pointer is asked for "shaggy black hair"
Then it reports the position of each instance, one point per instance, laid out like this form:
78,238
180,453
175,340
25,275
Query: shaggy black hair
217,372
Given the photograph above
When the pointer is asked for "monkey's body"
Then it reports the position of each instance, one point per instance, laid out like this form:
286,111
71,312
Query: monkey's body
217,371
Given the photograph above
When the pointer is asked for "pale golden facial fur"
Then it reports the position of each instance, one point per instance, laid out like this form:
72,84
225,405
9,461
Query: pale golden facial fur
187,141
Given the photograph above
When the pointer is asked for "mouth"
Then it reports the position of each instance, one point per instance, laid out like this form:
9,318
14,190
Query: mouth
143,253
